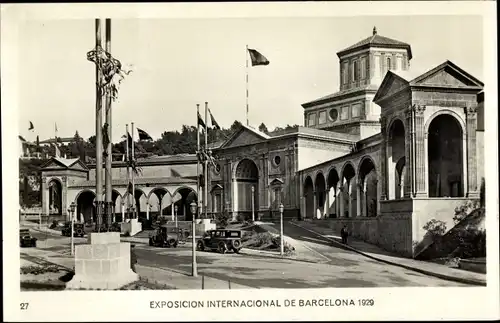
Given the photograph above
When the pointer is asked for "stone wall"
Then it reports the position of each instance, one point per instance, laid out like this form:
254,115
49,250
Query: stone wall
392,233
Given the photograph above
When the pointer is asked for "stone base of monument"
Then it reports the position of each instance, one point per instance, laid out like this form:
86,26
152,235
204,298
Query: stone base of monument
104,263
132,227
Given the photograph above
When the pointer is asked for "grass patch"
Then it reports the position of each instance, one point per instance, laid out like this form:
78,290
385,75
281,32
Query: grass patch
265,241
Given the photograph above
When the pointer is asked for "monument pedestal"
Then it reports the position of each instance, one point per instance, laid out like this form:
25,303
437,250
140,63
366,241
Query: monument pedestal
132,226
104,263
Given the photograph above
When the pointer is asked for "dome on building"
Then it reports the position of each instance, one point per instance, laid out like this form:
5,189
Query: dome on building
376,41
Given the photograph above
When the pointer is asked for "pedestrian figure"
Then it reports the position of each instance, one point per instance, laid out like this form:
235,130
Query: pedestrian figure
344,234
133,257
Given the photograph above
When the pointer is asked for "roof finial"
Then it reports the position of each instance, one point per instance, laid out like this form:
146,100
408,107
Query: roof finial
374,30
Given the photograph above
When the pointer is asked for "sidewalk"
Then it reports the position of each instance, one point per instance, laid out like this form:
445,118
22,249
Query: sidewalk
170,278
376,253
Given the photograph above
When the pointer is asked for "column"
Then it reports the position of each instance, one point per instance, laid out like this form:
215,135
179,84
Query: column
359,210
379,194
172,209
409,147
471,123
364,202
349,193
315,204
45,196
341,201
419,152
123,211
147,210
383,159
234,197
64,198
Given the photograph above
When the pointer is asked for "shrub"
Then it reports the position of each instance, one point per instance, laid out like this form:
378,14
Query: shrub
435,228
38,270
465,209
222,219
472,244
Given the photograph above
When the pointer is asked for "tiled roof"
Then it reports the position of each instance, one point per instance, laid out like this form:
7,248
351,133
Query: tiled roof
377,41
52,140
343,92
140,181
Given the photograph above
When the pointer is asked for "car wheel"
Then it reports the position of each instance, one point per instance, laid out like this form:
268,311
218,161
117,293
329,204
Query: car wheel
200,246
172,243
222,247
236,244
151,242
166,244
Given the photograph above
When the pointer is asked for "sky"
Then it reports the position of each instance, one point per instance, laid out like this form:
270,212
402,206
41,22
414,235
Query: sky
177,63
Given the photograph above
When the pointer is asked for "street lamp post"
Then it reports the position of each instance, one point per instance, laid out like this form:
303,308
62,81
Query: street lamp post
71,210
194,210
176,209
281,207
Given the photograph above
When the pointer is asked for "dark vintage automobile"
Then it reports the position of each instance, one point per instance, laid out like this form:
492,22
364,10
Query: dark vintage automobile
78,230
221,240
165,236
26,239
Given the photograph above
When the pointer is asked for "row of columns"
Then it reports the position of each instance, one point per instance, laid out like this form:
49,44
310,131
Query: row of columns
338,202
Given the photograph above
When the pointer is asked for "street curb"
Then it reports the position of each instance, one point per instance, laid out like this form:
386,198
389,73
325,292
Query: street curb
189,275
422,271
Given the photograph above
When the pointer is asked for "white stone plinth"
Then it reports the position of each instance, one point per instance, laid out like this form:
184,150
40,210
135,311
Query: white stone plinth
103,237
101,265
132,227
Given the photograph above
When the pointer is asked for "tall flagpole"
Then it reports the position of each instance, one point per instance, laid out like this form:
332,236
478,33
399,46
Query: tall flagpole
133,175
98,128
205,197
109,152
193,223
127,160
246,54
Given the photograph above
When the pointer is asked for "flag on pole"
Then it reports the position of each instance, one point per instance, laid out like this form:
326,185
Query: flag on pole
212,121
31,126
200,121
143,135
257,58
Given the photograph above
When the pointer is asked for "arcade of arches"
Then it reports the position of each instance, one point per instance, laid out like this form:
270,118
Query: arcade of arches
158,203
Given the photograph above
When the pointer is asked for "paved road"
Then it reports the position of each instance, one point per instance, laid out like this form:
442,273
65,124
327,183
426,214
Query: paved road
342,269
260,272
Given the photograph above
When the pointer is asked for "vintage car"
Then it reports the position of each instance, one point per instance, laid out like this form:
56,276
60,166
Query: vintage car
221,240
165,236
26,239
78,230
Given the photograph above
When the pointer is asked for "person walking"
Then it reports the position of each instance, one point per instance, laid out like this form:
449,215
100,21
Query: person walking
344,234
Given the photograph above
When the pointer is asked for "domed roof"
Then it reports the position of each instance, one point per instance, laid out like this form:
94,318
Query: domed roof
376,41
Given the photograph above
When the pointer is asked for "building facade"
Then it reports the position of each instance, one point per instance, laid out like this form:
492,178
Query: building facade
385,154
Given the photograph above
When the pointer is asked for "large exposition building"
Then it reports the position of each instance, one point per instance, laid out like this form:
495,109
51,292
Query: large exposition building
385,154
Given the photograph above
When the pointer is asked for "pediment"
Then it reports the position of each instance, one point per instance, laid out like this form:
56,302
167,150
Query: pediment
54,164
243,137
391,84
446,77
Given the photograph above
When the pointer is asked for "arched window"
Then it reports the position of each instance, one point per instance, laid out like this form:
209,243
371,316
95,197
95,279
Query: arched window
389,66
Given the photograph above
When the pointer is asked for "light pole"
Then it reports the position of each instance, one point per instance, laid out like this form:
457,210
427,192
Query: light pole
194,210
281,207
253,204
176,209
71,210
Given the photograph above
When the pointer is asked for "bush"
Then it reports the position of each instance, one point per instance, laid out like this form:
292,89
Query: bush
38,270
222,219
465,209
435,228
265,240
472,244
